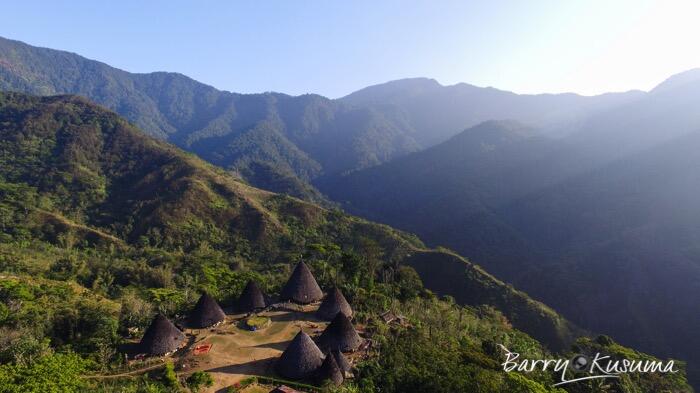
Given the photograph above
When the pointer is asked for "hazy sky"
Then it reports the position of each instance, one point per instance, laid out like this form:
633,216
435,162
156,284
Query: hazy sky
335,47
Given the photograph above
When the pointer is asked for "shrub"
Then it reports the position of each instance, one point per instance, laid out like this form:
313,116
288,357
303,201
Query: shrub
169,376
199,379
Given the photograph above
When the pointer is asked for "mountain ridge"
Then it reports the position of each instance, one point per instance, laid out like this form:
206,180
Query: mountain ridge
294,139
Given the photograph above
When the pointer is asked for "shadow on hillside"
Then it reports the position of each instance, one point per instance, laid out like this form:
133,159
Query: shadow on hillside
129,348
280,346
291,316
253,367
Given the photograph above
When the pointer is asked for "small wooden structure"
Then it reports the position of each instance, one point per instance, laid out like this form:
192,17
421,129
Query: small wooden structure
390,317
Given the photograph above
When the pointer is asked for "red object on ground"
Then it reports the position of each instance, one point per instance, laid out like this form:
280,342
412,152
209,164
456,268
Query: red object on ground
202,349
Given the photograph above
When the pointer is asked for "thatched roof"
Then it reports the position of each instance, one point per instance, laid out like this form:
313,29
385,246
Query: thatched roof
252,298
340,335
329,370
334,303
301,358
206,312
342,361
302,286
161,337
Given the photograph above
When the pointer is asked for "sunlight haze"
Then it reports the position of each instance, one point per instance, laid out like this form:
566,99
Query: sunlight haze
332,48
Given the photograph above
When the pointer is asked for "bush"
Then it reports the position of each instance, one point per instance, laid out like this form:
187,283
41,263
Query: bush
51,373
199,379
169,376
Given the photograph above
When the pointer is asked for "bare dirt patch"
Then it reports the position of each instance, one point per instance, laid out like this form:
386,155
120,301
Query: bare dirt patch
238,353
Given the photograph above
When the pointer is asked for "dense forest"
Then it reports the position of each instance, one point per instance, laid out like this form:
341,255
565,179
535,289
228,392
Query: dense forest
102,227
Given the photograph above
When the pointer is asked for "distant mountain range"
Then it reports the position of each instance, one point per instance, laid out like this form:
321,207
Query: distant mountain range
279,142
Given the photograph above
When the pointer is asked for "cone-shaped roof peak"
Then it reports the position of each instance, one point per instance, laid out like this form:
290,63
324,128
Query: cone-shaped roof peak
252,298
330,370
161,337
342,361
206,312
332,304
340,335
301,358
302,286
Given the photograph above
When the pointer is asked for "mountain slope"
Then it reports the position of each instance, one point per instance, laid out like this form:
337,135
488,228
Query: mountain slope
605,216
236,131
76,174
449,193
281,142
630,231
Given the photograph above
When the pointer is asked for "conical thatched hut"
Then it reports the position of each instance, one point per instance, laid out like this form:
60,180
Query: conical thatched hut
332,304
161,338
302,286
329,370
252,298
340,335
301,358
206,313
342,361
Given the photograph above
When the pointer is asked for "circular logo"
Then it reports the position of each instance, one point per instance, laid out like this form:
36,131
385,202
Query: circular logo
579,363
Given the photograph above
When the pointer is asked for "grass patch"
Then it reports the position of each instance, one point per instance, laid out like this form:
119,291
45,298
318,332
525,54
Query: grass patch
257,322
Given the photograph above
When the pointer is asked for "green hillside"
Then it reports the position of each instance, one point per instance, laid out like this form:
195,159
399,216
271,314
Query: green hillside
86,176
102,225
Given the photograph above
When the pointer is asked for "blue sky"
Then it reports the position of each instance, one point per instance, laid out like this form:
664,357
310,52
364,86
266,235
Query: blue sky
336,47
